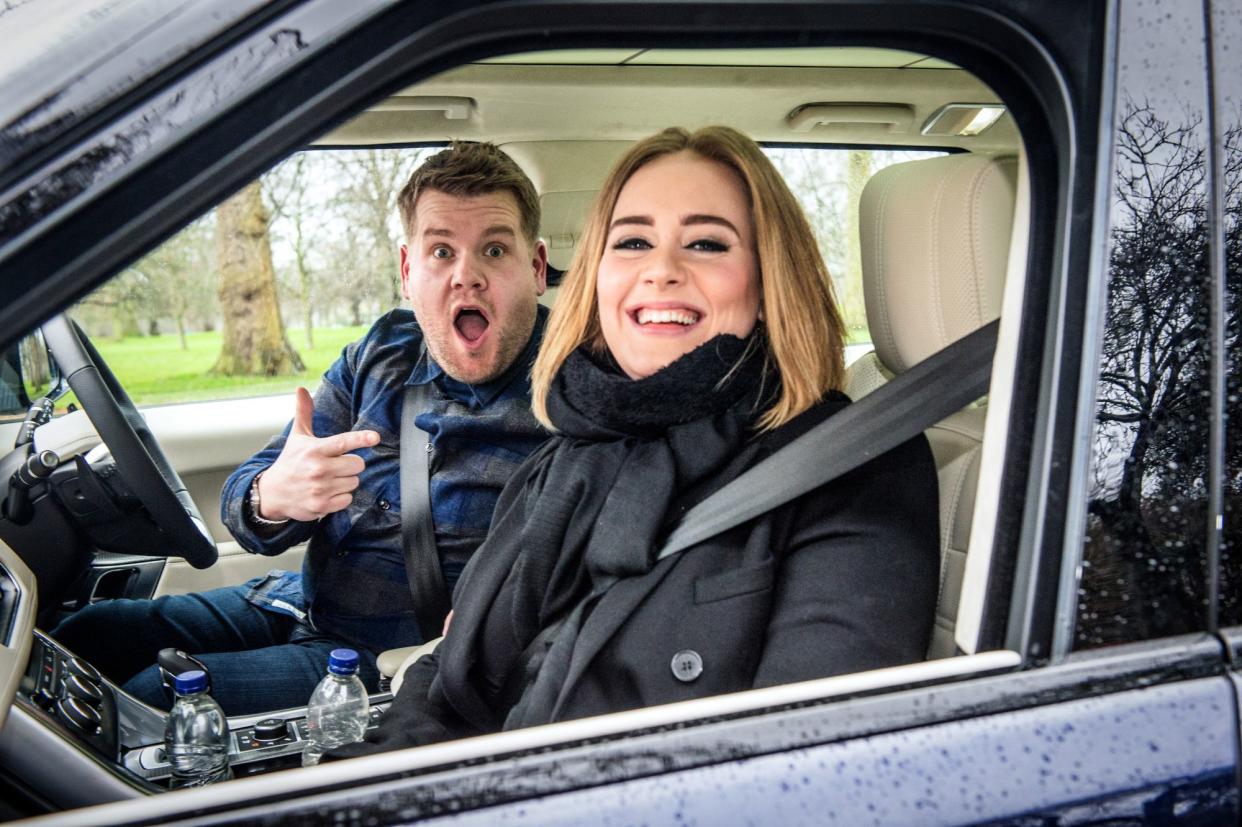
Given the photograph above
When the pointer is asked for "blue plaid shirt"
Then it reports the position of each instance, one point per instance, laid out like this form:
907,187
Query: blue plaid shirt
353,583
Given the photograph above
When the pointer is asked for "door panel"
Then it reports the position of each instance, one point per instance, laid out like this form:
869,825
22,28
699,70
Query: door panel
235,565
1157,755
206,441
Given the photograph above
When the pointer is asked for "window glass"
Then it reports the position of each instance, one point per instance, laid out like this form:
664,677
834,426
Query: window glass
828,184
1227,56
308,252
1143,572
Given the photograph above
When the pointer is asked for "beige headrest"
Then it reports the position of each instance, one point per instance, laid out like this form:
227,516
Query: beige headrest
935,244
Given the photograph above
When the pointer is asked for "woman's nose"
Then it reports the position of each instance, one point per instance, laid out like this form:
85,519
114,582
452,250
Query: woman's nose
663,268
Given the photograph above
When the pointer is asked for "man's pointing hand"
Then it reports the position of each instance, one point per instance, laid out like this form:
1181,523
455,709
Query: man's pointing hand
313,476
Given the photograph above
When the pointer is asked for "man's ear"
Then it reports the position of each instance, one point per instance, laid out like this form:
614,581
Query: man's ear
540,264
405,272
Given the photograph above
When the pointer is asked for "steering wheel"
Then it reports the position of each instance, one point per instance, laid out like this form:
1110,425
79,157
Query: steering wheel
137,454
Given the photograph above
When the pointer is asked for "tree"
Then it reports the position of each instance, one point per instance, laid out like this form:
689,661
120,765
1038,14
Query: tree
180,279
369,201
1144,571
288,187
254,335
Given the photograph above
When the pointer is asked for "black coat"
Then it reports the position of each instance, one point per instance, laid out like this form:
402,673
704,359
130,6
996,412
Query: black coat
842,579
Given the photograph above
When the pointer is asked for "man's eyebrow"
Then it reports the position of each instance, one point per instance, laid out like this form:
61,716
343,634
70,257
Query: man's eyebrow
709,219
495,229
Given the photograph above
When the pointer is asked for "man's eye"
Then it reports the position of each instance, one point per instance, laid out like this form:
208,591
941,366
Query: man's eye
708,245
441,252
632,244
494,251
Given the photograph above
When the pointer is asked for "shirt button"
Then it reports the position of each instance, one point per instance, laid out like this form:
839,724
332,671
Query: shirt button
687,665
385,505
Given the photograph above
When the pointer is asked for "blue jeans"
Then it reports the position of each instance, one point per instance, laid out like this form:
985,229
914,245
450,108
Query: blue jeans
259,660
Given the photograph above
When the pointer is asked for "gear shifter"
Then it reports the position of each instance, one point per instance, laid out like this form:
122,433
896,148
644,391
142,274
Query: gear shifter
173,662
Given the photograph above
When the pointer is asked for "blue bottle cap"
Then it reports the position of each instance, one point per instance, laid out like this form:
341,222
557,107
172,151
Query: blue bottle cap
343,661
187,683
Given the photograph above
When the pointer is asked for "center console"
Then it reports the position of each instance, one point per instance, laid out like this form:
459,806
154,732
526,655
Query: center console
65,703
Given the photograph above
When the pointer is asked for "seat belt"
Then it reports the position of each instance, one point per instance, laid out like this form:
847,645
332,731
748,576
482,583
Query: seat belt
418,534
940,385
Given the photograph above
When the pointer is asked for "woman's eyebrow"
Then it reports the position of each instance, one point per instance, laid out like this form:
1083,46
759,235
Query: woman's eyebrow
644,220
709,219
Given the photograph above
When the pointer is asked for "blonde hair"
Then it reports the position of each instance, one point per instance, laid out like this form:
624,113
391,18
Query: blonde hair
805,334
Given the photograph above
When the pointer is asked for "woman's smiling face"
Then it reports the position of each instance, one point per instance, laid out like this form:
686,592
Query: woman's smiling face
679,265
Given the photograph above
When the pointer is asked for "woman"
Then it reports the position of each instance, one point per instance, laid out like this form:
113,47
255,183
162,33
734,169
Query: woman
695,335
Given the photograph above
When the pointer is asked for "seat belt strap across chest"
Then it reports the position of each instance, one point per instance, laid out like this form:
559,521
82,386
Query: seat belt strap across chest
418,534
940,385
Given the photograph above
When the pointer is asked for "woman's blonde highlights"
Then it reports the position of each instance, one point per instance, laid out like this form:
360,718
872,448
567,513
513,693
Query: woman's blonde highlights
804,330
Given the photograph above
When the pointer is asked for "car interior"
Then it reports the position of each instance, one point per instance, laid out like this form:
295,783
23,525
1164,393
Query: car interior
943,246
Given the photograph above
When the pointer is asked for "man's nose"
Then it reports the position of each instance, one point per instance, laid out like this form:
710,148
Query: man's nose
468,274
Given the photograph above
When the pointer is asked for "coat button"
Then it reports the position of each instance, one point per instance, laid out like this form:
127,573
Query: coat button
385,505
687,665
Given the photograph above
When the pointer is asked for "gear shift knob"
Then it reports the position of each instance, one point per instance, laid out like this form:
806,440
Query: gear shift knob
173,662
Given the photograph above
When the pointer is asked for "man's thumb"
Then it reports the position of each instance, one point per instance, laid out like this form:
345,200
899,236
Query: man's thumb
303,414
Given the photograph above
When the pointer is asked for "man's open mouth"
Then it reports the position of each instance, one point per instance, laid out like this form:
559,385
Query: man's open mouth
471,323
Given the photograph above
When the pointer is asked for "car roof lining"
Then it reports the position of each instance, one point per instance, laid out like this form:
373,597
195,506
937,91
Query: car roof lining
754,91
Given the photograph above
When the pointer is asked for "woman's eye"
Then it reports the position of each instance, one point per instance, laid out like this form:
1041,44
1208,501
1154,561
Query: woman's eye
441,252
632,244
494,251
708,245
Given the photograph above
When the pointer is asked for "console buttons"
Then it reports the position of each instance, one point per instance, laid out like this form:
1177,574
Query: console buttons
84,690
82,669
268,732
271,729
81,715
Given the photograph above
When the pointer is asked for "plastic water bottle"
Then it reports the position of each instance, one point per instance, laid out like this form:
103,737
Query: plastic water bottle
196,736
339,709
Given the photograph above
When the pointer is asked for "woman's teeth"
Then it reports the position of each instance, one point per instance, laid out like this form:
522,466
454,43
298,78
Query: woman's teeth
687,317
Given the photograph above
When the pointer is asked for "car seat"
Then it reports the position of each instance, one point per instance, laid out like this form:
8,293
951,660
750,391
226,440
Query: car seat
935,240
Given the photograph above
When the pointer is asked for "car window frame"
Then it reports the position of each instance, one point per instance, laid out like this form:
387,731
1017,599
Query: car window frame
1046,98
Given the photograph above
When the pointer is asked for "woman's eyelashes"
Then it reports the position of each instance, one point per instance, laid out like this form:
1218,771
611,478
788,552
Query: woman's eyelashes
701,245
631,243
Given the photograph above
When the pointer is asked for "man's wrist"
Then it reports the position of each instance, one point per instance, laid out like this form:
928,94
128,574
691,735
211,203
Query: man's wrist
252,507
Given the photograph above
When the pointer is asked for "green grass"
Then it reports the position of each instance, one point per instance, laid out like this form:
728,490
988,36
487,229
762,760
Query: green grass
155,370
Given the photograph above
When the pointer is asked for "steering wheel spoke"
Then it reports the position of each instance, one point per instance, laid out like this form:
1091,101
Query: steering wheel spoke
138,455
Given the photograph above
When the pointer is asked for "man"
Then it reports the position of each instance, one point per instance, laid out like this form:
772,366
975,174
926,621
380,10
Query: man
472,268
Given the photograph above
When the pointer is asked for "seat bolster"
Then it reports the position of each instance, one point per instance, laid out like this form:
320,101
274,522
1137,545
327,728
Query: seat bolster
411,654
865,375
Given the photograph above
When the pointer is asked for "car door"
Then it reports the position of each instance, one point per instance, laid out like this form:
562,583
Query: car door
1085,731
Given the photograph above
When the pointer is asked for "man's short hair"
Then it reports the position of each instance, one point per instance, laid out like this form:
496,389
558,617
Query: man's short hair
469,168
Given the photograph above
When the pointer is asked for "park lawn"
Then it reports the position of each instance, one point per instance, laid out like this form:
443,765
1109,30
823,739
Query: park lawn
155,370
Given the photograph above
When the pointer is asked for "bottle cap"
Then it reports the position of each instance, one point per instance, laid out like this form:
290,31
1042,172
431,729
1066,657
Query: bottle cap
343,661
187,683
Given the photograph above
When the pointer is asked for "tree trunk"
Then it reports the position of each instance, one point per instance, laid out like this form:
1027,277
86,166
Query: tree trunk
254,343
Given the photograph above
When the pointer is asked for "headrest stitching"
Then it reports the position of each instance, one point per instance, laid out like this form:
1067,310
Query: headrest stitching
881,282
937,299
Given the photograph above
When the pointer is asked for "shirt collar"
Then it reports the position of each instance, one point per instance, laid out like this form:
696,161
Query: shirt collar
485,393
